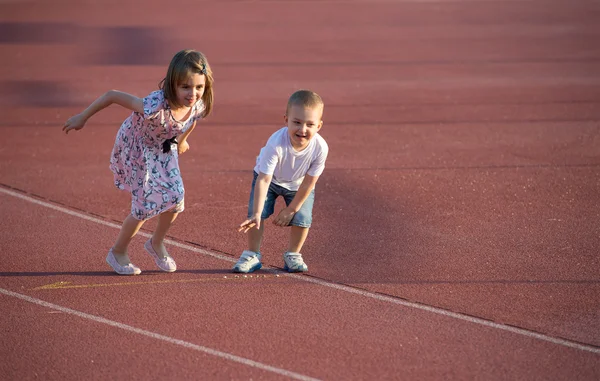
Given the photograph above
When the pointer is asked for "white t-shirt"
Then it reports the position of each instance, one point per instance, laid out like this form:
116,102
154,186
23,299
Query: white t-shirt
288,166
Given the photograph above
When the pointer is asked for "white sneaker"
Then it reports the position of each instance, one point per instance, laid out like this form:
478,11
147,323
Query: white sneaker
294,263
249,261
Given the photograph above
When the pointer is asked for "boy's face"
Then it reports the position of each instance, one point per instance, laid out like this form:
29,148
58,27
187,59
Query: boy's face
303,123
190,91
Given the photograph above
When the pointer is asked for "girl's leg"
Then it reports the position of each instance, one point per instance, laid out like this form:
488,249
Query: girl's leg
165,220
129,229
255,237
297,237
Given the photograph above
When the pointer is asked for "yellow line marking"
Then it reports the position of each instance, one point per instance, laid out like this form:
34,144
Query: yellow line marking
64,285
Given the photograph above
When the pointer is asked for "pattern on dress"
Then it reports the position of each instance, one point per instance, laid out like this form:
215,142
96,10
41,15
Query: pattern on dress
139,164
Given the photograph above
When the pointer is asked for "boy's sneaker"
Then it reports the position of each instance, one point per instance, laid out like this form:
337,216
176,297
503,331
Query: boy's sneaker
294,263
249,261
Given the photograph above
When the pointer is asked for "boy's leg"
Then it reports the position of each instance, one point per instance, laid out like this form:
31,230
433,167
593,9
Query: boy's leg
300,225
255,237
297,237
250,259
129,229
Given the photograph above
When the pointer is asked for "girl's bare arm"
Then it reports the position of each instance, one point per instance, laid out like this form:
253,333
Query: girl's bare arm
113,96
183,137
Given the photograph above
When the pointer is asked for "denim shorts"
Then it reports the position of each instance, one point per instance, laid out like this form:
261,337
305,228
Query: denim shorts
302,218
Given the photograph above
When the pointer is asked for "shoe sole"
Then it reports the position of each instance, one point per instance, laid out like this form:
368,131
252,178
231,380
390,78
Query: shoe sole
251,270
286,268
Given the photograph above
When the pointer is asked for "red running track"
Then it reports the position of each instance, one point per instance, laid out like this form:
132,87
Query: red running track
455,231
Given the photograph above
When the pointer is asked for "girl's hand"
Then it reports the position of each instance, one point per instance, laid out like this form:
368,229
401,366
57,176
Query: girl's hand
249,224
182,147
284,217
74,123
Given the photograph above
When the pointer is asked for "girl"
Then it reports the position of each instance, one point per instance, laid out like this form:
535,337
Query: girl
144,159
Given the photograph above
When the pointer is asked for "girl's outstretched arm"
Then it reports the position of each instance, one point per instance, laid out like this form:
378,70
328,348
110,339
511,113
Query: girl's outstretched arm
113,96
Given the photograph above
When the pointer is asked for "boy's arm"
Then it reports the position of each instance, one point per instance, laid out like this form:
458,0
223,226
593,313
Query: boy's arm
285,216
113,96
260,194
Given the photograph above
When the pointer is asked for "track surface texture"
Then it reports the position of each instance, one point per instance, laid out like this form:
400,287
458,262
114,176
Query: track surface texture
456,226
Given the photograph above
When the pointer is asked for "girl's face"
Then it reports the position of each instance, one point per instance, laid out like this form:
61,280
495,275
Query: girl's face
190,91
303,123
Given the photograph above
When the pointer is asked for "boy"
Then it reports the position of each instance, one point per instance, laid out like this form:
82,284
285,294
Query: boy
289,165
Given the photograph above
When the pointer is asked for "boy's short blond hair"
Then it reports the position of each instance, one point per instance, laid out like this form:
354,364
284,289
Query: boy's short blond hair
305,98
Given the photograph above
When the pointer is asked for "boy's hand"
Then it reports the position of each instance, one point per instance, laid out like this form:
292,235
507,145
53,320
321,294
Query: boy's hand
74,123
249,224
284,217
182,147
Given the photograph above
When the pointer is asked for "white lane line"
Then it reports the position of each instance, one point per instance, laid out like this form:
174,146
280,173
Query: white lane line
109,224
455,315
157,336
336,286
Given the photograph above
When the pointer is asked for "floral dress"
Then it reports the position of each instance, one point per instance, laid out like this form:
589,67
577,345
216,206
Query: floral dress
138,160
